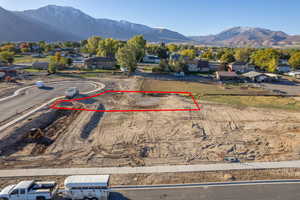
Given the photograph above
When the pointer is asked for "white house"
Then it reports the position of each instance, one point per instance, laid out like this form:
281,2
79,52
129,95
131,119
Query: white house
282,68
151,59
295,74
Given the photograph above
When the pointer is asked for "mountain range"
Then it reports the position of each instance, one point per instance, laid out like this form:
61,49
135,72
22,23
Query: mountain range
248,36
58,23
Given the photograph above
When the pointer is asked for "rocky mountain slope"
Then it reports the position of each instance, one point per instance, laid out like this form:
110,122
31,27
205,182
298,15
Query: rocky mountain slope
15,28
247,36
76,22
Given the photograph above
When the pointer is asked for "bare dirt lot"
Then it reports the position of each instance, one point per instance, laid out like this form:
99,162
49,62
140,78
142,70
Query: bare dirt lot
86,139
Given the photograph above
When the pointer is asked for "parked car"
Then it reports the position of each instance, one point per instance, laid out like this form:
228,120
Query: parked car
88,187
29,190
40,84
231,159
71,92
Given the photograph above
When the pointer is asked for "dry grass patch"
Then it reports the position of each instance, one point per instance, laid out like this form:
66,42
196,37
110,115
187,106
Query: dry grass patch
198,88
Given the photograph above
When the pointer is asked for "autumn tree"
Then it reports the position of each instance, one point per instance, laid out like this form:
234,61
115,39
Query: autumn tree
58,62
126,57
7,57
294,61
242,54
138,45
108,47
191,53
266,59
207,55
172,48
152,49
93,44
227,57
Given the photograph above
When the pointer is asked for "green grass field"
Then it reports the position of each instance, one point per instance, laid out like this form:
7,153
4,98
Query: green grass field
206,92
198,88
29,59
286,103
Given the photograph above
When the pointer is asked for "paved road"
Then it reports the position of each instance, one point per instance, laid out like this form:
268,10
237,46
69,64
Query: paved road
154,169
288,88
34,96
286,191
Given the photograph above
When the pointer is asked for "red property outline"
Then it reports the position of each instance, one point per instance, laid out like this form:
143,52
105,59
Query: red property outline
54,105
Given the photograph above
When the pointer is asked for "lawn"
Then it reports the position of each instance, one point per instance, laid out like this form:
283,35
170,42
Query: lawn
34,70
29,59
286,103
207,92
198,88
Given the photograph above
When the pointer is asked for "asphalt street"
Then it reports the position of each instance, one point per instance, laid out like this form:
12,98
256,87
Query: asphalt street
35,96
278,191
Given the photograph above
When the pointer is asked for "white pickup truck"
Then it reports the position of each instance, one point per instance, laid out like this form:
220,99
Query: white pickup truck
29,190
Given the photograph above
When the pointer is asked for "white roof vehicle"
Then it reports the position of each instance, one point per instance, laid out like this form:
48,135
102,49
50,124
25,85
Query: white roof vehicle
92,187
71,92
40,84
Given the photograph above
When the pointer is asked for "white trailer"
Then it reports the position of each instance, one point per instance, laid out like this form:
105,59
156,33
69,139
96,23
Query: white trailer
29,190
87,187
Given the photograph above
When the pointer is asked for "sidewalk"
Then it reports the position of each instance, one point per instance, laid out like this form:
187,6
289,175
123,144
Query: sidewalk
153,169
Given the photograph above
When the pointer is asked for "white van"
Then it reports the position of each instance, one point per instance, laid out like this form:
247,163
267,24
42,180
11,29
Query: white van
87,187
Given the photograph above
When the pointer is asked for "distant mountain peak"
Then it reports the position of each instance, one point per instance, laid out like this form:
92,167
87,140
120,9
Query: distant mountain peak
76,22
244,36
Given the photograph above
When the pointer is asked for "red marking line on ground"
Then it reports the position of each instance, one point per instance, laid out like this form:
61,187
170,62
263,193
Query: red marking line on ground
198,107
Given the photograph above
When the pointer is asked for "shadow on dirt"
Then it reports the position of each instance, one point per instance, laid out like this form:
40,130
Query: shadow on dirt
92,124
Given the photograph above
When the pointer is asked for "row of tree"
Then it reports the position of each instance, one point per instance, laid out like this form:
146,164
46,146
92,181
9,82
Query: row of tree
128,53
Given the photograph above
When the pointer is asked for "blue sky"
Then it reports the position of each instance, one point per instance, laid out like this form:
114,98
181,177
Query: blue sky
189,17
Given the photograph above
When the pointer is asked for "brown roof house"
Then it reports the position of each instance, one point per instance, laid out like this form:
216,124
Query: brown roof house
100,63
216,66
226,76
197,65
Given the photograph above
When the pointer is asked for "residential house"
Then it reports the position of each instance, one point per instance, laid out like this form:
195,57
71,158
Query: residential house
226,76
78,63
283,68
216,66
295,74
197,65
255,76
174,56
203,66
283,61
241,67
40,65
272,77
100,63
151,59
